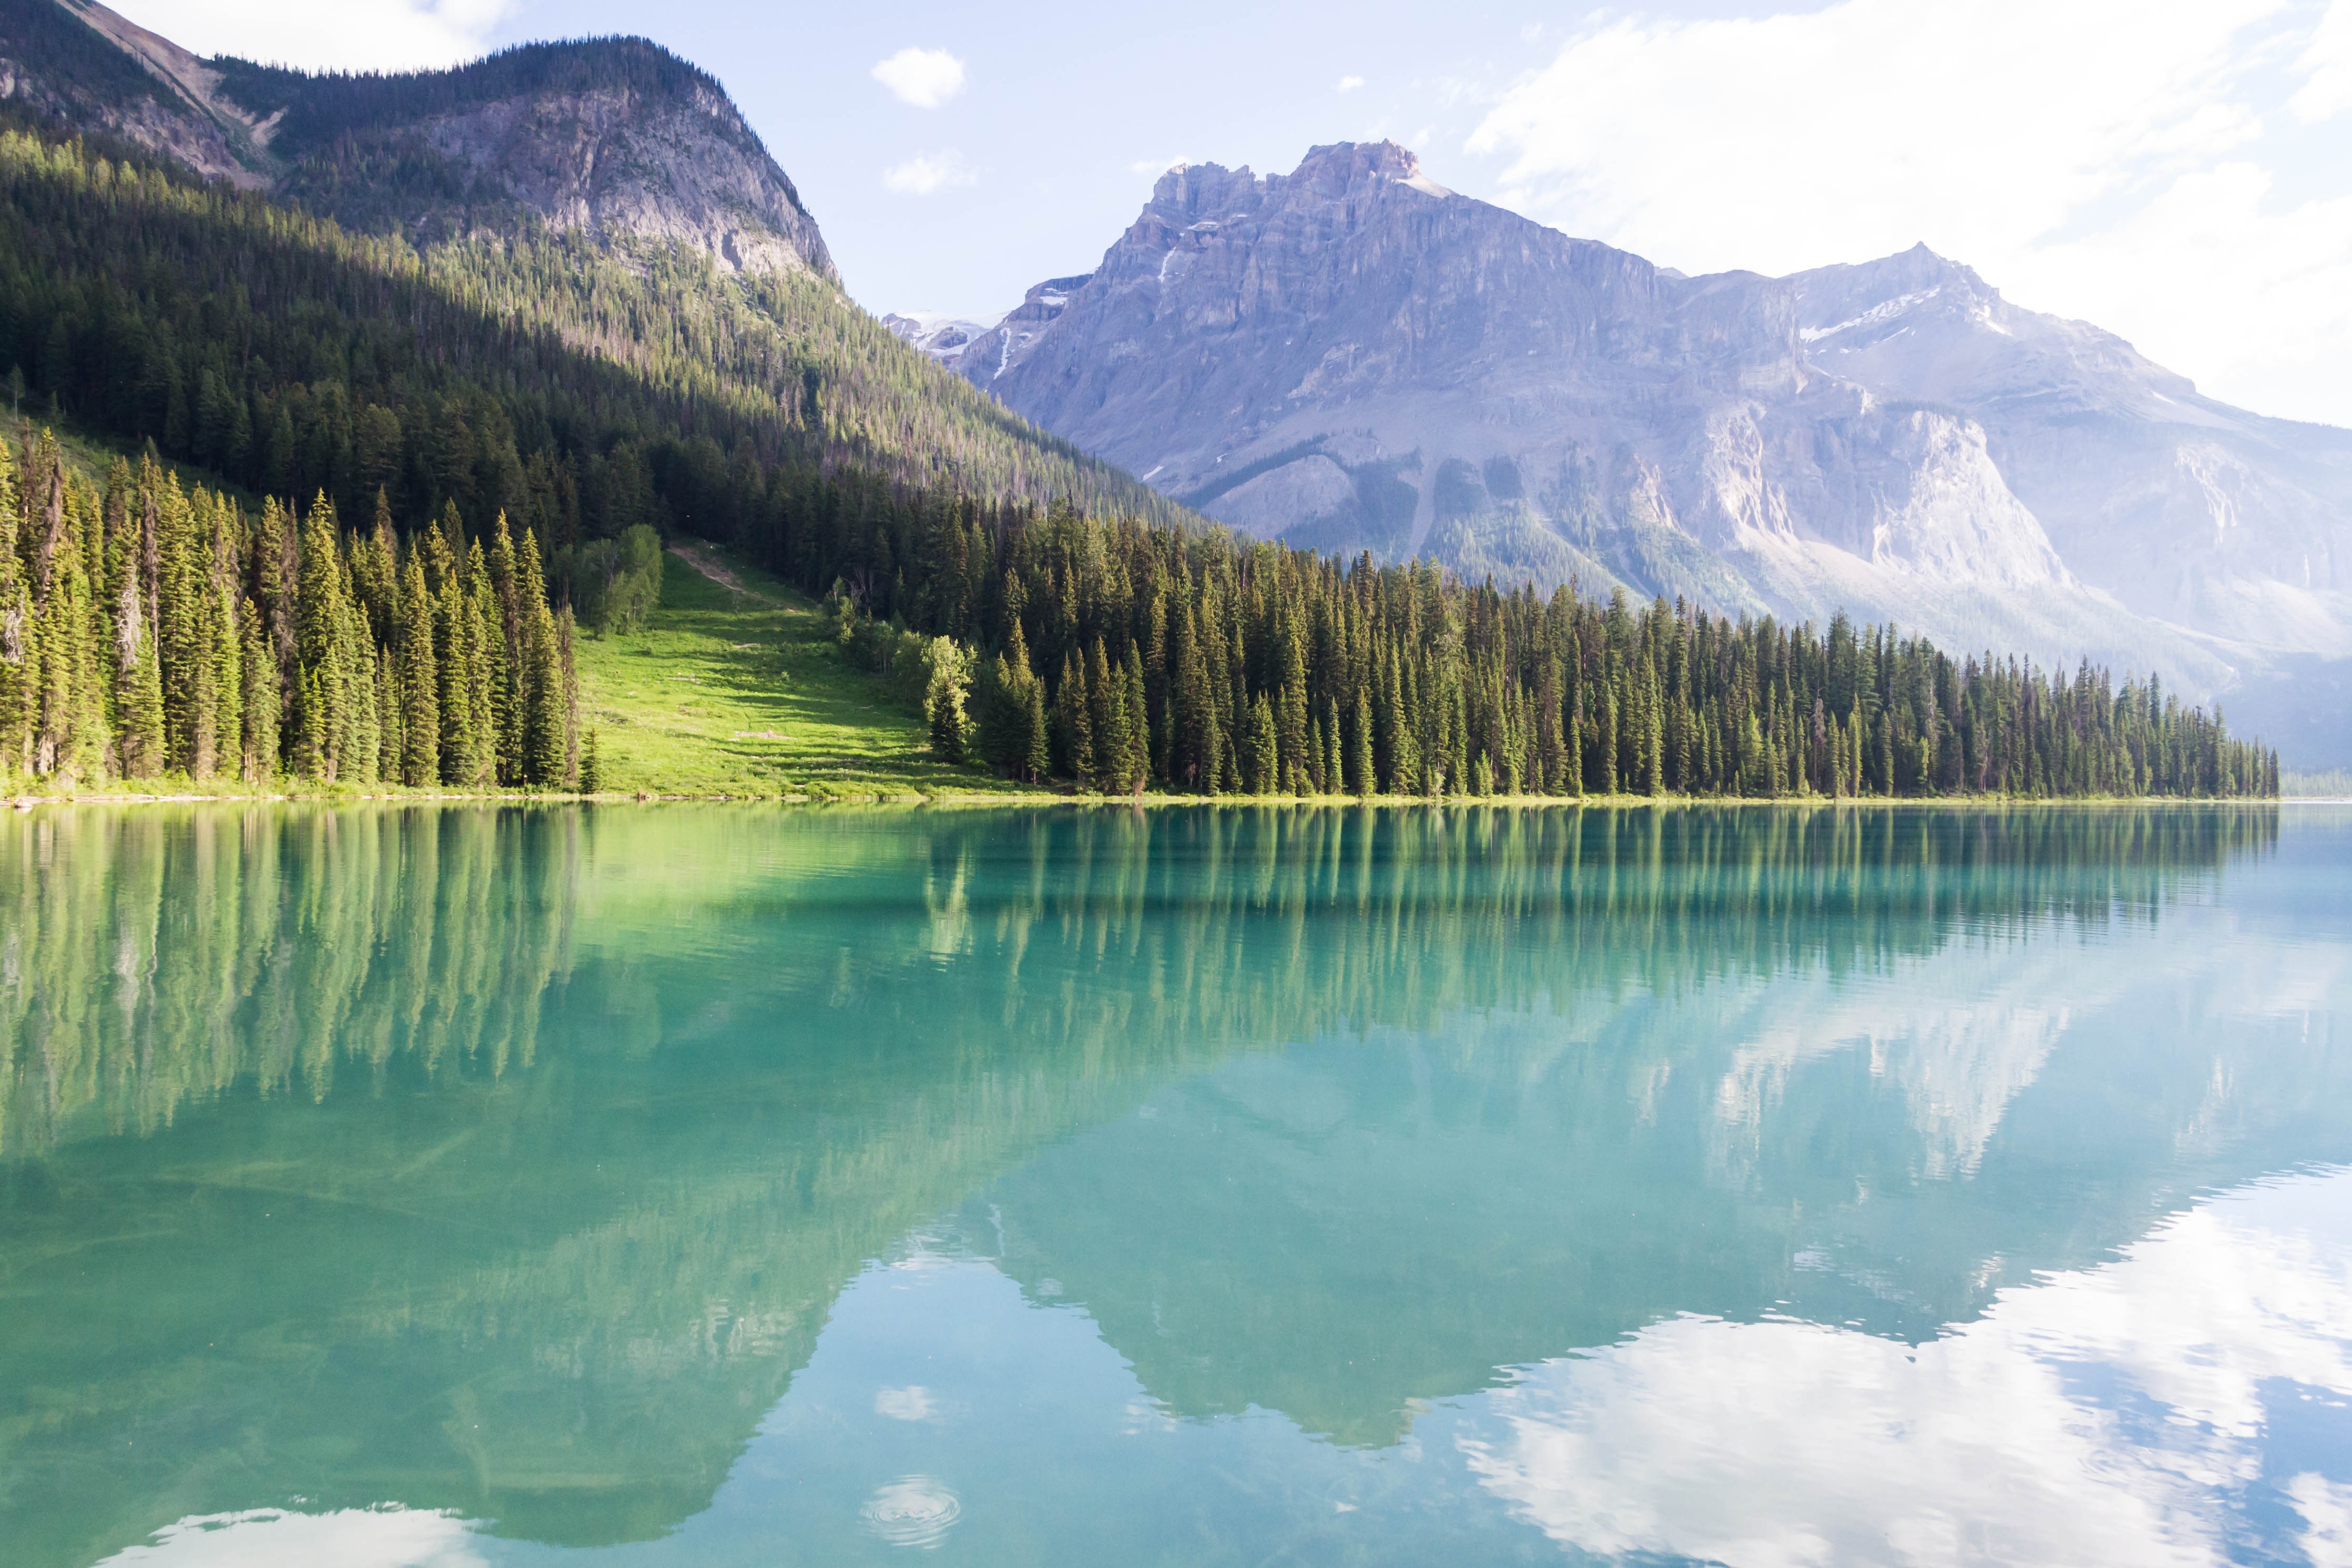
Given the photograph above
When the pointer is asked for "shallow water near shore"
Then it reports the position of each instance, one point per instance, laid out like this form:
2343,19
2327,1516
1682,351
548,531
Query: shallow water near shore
486,1185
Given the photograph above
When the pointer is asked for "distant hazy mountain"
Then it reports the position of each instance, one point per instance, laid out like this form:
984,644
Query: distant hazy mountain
1354,357
941,336
615,137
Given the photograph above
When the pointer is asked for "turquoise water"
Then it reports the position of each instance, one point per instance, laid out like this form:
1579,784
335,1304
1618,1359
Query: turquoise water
743,1185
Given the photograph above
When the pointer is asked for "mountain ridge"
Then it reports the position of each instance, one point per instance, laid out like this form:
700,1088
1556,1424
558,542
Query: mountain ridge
613,136
1389,365
681,255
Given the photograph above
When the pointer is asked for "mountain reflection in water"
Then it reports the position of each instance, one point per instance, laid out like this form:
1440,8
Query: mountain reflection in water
1756,1186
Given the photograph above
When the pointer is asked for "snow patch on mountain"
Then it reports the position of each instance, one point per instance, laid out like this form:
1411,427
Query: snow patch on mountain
942,337
1873,317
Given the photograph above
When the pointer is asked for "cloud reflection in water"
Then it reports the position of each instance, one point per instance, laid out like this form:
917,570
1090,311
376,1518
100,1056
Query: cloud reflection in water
2109,1415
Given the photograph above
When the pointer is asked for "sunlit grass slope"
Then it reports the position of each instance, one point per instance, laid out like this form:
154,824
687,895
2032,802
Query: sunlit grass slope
738,690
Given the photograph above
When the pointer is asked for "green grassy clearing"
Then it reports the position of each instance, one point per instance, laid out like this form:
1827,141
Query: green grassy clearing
728,692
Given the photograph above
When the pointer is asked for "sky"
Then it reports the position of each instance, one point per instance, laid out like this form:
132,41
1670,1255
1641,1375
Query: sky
2178,172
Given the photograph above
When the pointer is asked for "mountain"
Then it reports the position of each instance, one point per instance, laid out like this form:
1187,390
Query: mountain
1354,357
2185,509
608,305
941,337
615,137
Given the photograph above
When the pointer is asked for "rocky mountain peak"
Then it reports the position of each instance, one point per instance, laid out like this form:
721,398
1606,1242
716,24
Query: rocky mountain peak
1351,356
1190,191
1333,171
1338,173
617,137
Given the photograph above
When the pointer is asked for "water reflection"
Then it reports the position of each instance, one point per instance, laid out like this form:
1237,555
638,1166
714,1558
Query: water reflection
157,956
280,1538
2124,1414
2189,1402
519,1166
161,956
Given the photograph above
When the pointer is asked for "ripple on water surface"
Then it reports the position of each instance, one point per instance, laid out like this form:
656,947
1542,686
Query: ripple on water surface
913,1511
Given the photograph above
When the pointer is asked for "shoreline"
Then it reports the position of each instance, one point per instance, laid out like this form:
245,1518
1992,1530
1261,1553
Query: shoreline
1037,797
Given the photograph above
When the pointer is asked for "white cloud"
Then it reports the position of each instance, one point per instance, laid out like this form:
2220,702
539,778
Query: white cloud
1792,140
924,77
2213,279
2327,60
1349,84
1157,165
927,172
1782,1442
351,34
913,1403
388,1537
2134,194
2326,1509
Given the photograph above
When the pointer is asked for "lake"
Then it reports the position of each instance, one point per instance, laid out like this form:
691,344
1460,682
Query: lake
741,1185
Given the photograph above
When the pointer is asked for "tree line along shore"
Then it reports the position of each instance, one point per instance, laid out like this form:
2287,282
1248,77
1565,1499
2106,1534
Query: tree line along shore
496,428
152,633
1123,657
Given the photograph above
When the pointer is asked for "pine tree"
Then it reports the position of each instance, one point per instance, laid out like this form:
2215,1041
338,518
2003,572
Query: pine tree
1135,767
1651,738
417,679
179,628
261,698
225,752
139,686
1261,748
363,679
1334,759
1604,741
529,670
391,734
1073,721
1106,721
1361,780
567,694
457,658
1191,743
483,668
506,584
944,696
1291,717
1036,755
545,741
318,714
376,571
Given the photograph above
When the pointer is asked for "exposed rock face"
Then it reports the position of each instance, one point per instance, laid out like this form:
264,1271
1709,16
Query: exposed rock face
615,137
941,337
618,160
2185,509
1352,357
80,63
994,351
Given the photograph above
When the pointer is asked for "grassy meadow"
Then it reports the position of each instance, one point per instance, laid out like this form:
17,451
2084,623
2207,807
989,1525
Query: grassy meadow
740,691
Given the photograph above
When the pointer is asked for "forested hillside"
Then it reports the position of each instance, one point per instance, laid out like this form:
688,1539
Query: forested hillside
580,387
1126,657
1072,627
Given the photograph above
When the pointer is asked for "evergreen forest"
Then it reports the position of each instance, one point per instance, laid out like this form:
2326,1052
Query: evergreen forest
150,631
489,427
1128,657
